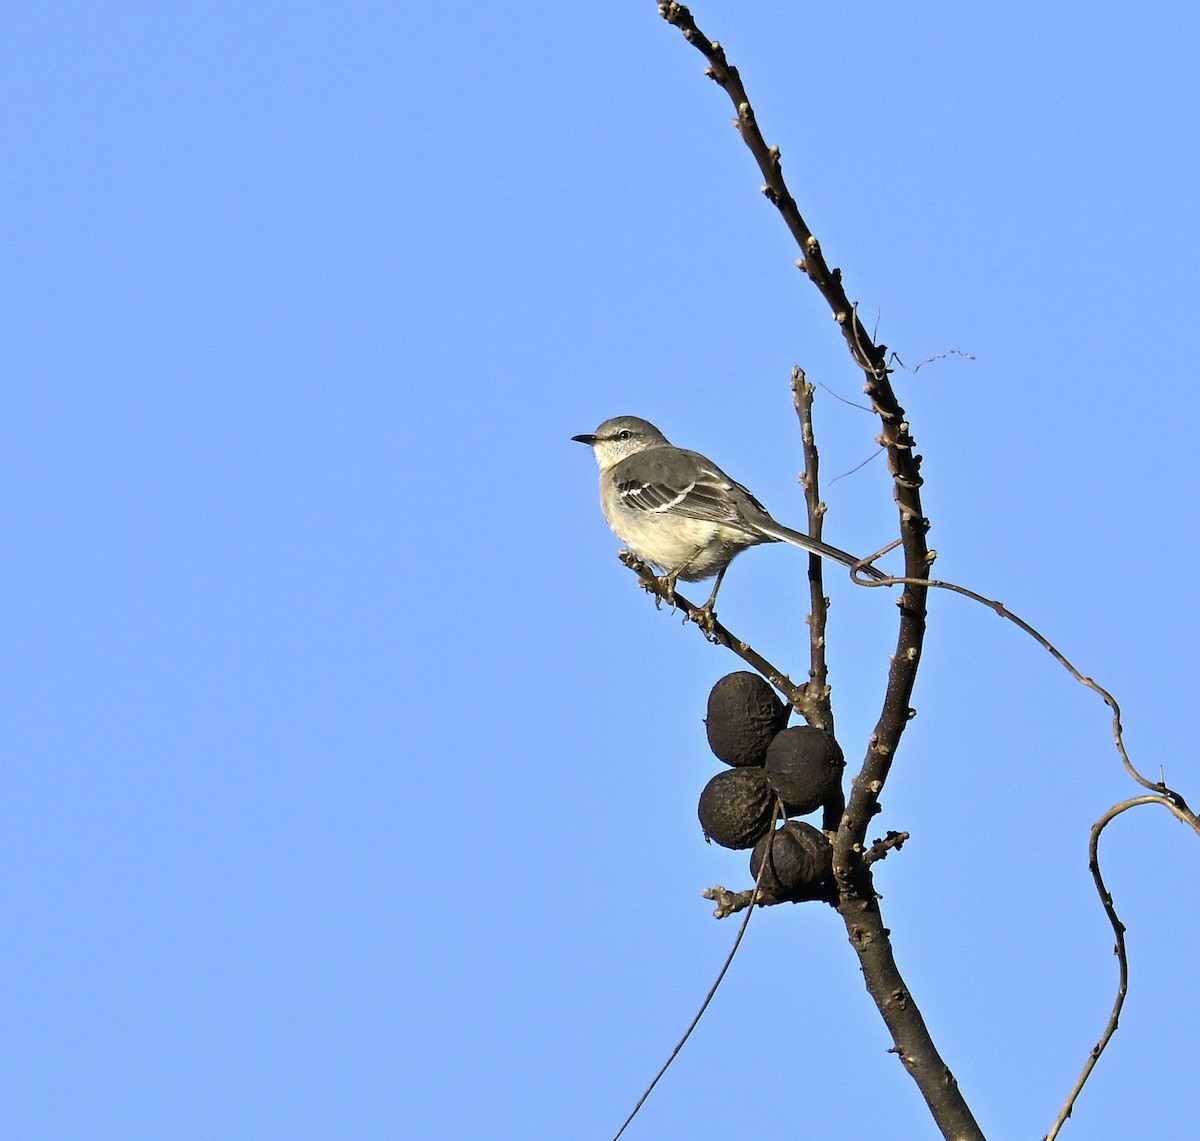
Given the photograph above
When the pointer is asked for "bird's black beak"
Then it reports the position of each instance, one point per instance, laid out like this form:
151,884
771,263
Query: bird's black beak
589,440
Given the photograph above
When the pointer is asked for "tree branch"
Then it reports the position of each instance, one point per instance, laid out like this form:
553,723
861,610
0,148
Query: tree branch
903,463
797,696
821,710
858,902
857,898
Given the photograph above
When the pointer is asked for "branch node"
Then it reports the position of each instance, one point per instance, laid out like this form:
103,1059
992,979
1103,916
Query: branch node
880,848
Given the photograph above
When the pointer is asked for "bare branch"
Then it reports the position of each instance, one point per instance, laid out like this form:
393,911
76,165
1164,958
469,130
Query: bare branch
858,903
902,461
821,710
731,902
797,696
818,673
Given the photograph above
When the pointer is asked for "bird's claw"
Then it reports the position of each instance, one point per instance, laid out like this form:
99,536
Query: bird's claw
666,591
705,618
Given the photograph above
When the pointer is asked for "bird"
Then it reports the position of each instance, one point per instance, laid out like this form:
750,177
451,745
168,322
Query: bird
678,511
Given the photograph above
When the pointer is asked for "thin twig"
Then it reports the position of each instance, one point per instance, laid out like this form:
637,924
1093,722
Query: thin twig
1159,787
838,396
708,997
930,360
1119,950
857,467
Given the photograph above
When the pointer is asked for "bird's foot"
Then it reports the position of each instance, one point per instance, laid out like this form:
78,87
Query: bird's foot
705,618
666,590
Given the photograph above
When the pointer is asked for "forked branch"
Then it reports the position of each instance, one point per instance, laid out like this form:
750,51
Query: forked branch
858,901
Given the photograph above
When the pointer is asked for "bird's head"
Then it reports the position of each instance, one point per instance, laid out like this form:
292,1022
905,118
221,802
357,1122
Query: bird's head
620,437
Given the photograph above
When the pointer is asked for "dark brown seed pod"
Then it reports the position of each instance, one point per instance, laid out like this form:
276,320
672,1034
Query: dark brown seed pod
804,766
743,715
735,807
799,863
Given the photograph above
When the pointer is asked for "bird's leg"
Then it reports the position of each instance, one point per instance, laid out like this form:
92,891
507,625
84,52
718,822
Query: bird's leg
667,581
706,616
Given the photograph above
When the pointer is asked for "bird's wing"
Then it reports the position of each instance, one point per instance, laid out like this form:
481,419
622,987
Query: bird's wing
688,484
684,483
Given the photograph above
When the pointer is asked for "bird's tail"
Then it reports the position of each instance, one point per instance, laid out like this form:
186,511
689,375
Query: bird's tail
797,539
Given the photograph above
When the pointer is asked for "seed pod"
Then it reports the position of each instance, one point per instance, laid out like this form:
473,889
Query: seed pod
799,863
743,715
804,766
735,807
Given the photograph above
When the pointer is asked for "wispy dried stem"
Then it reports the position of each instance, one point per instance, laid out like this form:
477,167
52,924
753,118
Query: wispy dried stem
752,897
1182,814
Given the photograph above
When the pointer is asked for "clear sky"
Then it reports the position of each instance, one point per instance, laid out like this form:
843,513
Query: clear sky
349,781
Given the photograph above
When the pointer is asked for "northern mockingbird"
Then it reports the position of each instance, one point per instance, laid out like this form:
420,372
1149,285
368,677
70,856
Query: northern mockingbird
679,511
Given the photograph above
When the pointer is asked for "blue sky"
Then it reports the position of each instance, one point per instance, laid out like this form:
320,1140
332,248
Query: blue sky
350,781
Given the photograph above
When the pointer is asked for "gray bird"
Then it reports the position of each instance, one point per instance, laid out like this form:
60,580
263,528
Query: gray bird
680,512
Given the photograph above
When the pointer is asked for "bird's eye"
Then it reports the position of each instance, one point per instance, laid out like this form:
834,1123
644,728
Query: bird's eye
625,434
